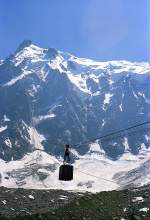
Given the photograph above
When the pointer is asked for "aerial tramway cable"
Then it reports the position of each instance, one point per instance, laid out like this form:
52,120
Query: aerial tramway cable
98,177
110,134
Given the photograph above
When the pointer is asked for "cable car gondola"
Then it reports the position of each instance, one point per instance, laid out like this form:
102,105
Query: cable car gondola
66,169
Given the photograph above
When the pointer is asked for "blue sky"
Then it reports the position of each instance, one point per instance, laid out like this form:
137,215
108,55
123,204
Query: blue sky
97,29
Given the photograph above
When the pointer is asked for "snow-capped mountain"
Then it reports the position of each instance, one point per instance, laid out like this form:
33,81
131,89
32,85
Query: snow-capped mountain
49,98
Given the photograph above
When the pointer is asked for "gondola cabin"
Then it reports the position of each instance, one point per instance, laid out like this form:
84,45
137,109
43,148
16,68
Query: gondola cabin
66,172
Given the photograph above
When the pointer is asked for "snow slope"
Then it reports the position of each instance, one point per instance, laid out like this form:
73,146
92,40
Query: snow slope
93,172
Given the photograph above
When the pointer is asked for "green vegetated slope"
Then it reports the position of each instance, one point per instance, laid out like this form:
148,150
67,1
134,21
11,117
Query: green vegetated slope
133,204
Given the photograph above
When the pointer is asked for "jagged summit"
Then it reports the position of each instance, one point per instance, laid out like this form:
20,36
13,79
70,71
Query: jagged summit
52,53
30,56
65,62
24,44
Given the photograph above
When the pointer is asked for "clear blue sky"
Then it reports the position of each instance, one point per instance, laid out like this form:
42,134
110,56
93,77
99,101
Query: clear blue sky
97,29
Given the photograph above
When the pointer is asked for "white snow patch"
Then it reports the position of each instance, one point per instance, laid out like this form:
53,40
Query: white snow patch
135,95
111,81
103,122
14,80
120,106
147,138
36,138
126,144
3,128
41,118
94,78
56,63
6,118
96,93
79,82
33,90
32,52
8,142
63,197
125,209
1,62
107,98
138,199
143,148
31,197
4,202
145,209
96,148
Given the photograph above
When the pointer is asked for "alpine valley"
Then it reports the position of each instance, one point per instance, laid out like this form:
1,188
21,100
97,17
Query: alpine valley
49,98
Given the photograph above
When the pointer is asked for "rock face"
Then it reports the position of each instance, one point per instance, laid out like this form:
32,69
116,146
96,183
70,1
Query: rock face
49,98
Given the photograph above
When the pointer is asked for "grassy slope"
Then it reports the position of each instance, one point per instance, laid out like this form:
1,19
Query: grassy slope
101,206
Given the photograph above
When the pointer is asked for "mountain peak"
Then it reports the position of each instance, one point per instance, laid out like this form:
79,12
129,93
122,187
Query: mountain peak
24,44
52,53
